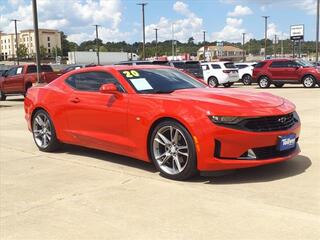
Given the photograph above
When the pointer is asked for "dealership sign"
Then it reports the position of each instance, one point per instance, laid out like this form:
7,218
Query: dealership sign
297,32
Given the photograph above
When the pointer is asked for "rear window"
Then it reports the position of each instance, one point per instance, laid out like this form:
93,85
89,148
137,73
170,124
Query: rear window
192,65
260,64
215,66
240,66
229,65
178,65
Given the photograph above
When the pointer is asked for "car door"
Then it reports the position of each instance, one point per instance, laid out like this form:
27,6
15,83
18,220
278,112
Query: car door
96,119
205,71
11,81
292,71
278,70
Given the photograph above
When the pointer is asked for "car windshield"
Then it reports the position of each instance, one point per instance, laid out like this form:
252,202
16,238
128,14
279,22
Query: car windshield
304,63
159,80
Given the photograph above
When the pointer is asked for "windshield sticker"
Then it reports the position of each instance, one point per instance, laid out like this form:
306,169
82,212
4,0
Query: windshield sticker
19,70
131,74
141,84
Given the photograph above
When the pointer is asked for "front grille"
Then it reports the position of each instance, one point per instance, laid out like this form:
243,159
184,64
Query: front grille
267,124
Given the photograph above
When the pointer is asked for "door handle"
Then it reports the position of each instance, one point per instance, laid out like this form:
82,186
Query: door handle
75,100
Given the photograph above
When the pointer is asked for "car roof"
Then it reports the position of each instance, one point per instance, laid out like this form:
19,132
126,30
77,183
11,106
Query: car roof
127,67
222,62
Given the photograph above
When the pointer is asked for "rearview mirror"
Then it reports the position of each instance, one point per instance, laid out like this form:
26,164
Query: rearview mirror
110,88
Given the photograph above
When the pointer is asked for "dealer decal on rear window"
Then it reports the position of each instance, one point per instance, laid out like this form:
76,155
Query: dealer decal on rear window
131,74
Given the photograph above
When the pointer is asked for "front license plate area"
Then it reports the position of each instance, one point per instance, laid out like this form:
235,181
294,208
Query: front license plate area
286,142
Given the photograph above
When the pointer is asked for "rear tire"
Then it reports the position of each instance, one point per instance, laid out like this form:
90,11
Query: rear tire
227,85
278,85
213,82
309,81
44,133
172,151
2,96
247,79
264,82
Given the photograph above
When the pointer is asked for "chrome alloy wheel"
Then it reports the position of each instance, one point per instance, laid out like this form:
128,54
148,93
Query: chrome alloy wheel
308,82
42,130
264,82
171,150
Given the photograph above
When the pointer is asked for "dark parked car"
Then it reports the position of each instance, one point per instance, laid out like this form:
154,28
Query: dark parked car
190,67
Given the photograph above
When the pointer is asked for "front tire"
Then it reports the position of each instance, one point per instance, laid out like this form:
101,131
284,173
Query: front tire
264,82
172,150
2,96
213,82
309,81
44,133
227,85
247,79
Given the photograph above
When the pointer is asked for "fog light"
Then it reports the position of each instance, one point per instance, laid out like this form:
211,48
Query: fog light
249,155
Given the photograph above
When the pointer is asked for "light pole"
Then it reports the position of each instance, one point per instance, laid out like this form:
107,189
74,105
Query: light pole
143,30
274,46
17,40
204,45
156,54
265,35
173,55
243,50
317,31
36,37
97,42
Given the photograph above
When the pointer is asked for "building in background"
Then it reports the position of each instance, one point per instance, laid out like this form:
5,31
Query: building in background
220,52
49,39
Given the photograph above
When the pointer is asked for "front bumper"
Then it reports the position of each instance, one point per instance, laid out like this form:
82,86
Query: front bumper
223,148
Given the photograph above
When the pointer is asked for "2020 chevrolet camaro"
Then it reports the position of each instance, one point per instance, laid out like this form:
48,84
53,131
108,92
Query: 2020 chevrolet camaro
161,115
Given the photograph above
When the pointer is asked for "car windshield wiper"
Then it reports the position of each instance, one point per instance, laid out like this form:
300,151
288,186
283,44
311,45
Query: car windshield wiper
157,91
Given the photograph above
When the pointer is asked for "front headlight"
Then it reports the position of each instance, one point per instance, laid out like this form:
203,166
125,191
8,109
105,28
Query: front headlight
296,116
225,119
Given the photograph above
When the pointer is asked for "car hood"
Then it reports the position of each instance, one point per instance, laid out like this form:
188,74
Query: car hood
233,98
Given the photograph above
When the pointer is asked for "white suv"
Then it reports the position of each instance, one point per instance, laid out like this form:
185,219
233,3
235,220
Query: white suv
216,73
245,72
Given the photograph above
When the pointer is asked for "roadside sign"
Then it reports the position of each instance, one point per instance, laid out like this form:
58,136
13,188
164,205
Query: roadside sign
297,32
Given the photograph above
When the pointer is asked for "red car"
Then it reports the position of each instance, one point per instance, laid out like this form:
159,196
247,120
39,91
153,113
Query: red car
18,79
161,115
283,71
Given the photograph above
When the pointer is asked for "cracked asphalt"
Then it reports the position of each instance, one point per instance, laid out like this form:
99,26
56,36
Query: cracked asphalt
79,193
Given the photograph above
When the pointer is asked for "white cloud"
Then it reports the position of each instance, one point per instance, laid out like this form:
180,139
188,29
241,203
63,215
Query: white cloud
310,6
189,26
74,17
232,31
240,11
273,30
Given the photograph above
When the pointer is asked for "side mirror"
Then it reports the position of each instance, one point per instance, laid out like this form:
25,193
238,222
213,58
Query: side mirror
110,88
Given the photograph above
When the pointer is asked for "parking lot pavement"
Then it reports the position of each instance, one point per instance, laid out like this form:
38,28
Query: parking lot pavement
79,193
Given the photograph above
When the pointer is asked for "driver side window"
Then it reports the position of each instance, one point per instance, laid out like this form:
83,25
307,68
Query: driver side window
11,72
92,81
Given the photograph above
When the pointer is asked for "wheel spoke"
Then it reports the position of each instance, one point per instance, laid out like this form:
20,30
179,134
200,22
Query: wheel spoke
183,153
37,132
177,163
164,139
175,137
39,121
159,141
165,159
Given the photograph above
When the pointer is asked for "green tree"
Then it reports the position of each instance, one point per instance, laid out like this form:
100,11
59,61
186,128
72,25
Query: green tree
22,51
43,51
67,46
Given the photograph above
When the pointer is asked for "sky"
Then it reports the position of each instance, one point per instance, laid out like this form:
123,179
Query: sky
120,20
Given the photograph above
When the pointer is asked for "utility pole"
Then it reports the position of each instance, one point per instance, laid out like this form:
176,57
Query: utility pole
265,35
274,46
143,31
17,39
97,43
204,45
173,55
156,30
317,31
243,50
282,45
36,37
